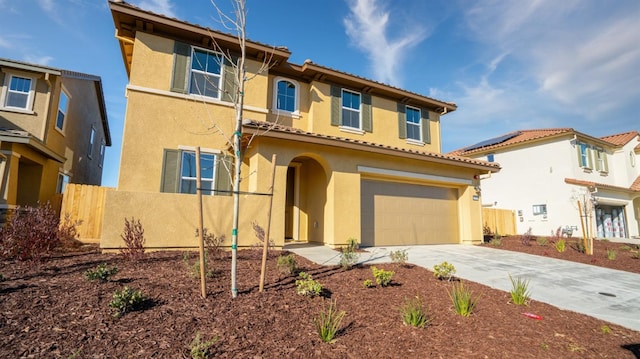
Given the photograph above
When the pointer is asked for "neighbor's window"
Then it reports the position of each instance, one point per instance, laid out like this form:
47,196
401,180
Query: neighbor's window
583,149
188,172
601,160
414,130
539,209
63,181
102,149
286,92
63,104
206,73
490,157
350,109
19,92
91,140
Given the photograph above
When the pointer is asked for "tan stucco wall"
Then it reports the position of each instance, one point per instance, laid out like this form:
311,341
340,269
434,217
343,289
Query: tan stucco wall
170,220
34,123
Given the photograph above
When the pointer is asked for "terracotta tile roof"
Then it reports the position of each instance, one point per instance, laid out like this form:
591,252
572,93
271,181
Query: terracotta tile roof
621,139
511,138
635,187
342,141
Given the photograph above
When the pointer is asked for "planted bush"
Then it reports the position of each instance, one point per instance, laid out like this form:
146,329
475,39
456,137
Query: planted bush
30,234
464,301
328,321
560,245
102,273
444,271
126,300
414,313
133,237
307,286
382,277
400,256
519,291
367,283
200,349
348,255
611,254
194,268
526,238
287,264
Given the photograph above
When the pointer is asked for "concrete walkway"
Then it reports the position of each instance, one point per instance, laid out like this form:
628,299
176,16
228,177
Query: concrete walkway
606,294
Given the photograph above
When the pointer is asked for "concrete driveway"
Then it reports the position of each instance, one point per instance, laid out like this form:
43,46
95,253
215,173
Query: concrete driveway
607,294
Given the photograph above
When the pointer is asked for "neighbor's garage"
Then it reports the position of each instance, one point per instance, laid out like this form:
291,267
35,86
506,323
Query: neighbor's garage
405,214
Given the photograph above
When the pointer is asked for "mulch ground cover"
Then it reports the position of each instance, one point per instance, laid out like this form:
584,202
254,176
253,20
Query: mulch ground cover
52,311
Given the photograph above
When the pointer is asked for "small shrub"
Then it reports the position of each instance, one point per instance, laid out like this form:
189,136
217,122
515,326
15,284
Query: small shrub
307,286
611,254
542,241
102,273
367,283
400,256
464,302
287,264
556,235
133,237
605,329
496,242
194,268
212,244
526,238
560,245
625,248
636,254
200,349
348,255
444,271
579,246
414,313
519,291
126,300
68,230
327,322
30,234
383,277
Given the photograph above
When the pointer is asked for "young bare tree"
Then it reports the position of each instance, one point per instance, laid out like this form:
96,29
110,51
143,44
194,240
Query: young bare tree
235,24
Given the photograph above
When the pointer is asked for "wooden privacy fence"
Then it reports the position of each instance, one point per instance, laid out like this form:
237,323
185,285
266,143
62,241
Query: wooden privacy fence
85,203
500,221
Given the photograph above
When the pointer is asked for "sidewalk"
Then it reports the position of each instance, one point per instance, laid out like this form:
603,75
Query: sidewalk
606,294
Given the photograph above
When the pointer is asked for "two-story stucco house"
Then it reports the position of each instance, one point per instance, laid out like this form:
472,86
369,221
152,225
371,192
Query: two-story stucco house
546,171
53,131
355,158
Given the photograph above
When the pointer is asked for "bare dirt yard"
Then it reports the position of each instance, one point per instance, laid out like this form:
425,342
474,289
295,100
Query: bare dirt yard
52,310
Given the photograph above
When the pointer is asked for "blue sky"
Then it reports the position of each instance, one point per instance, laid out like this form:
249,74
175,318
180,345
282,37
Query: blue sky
508,65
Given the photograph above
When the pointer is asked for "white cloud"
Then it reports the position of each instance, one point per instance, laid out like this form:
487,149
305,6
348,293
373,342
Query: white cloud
584,55
368,29
164,7
38,60
4,43
46,5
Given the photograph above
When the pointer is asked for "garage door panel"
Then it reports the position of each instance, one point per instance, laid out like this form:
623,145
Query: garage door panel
403,214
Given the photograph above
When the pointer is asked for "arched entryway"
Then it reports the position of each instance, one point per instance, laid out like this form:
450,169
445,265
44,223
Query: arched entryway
305,202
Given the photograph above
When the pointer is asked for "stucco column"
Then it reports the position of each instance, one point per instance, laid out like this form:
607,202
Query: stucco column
470,216
9,167
343,208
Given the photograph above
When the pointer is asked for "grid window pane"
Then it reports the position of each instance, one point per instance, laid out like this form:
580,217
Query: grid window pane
286,96
413,124
350,109
188,172
206,70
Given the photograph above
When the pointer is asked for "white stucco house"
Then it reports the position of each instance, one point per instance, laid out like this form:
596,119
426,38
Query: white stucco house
546,171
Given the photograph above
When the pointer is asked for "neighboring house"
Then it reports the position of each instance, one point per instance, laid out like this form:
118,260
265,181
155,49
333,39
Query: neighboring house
355,158
53,131
545,172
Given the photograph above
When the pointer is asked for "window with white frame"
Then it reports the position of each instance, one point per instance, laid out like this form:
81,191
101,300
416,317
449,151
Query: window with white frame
583,151
206,73
188,172
102,149
63,181
601,160
286,98
351,109
91,140
539,209
18,92
63,105
414,125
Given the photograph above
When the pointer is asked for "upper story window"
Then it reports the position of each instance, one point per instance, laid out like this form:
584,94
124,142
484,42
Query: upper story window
584,160
18,92
491,157
206,73
188,172
286,98
414,126
601,160
539,209
102,149
92,136
350,109
63,105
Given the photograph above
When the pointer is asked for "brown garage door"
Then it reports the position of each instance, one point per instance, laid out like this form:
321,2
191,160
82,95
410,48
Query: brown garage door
406,214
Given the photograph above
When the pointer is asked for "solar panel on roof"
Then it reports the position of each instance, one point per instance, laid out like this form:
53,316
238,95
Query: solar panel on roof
492,141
